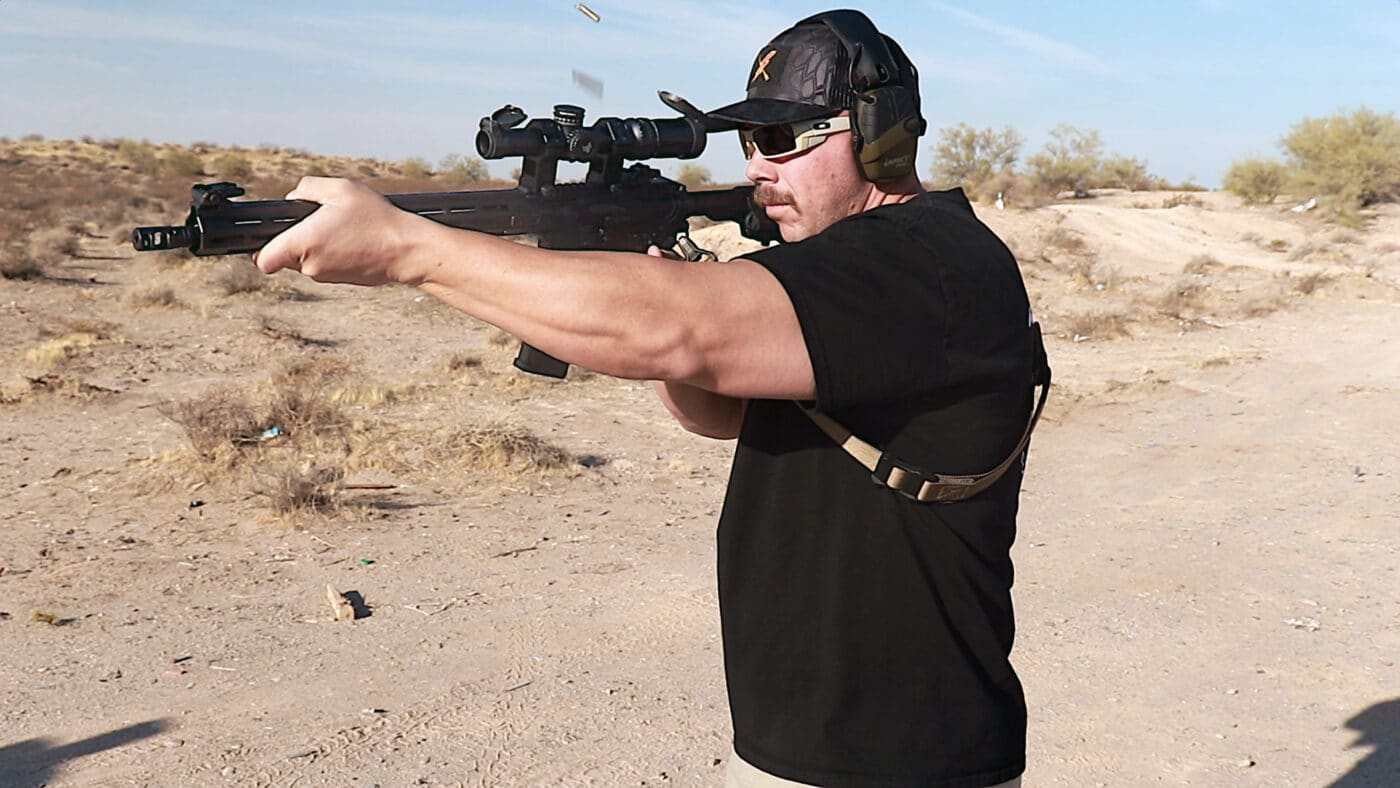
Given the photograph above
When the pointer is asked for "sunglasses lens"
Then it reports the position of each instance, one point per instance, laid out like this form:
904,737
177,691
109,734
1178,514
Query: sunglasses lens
774,140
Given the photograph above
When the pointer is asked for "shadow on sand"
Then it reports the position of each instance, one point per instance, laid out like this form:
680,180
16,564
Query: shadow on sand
34,762
1379,727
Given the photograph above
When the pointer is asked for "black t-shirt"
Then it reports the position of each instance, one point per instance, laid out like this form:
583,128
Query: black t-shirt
866,635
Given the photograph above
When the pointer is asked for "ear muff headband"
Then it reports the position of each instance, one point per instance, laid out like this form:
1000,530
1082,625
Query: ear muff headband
887,123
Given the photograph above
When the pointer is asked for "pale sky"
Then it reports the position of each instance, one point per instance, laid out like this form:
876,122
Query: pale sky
1188,86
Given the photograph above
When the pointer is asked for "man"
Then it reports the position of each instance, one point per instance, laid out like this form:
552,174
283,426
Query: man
866,629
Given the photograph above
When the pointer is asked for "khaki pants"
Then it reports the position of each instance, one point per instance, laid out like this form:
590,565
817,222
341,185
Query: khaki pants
742,774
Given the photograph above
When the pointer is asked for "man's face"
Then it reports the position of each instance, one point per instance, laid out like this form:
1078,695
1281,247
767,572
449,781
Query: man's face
810,190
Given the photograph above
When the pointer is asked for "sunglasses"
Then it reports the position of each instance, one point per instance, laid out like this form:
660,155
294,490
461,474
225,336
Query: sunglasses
784,139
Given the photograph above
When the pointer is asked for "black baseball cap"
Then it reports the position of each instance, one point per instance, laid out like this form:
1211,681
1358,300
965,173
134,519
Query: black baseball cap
801,74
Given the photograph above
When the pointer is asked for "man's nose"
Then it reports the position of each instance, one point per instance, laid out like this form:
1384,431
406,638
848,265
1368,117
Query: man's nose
760,170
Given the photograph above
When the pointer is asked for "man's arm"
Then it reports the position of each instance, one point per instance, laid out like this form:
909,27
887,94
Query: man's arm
725,328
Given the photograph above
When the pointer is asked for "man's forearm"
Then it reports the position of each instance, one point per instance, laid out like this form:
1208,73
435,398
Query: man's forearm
702,412
619,313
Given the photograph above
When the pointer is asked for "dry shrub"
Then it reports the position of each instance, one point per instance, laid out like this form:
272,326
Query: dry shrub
19,264
1307,284
217,425
154,296
48,245
223,425
1087,272
292,488
240,277
1183,300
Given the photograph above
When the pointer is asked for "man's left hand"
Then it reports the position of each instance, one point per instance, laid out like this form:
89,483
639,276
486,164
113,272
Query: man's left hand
355,237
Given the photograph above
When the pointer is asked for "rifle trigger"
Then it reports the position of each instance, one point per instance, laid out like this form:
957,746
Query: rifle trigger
692,252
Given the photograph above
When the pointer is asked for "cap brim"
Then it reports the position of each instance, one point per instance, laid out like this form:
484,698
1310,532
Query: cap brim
762,112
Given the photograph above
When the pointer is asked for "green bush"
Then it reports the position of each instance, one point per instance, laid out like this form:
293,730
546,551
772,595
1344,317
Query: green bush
1255,180
968,157
693,175
460,170
1125,172
1353,157
1069,162
416,167
183,161
141,156
233,165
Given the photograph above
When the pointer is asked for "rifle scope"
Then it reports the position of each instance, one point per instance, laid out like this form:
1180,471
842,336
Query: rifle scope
566,139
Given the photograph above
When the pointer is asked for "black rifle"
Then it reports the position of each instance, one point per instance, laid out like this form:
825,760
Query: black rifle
613,208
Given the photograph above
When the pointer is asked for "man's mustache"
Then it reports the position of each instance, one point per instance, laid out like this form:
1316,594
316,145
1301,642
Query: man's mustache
769,194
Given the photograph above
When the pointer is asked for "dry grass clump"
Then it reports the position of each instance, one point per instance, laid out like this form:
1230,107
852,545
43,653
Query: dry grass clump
1184,300
1087,272
460,363
1179,200
1098,325
1309,249
1202,264
374,395
497,448
293,439
276,328
1062,239
73,338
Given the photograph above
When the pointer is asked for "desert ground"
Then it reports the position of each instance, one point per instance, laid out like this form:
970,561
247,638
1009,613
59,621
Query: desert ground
191,454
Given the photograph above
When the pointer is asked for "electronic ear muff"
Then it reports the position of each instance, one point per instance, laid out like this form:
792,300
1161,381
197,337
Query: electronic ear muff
886,124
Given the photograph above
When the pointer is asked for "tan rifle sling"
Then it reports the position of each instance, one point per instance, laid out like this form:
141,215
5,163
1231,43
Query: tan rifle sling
925,486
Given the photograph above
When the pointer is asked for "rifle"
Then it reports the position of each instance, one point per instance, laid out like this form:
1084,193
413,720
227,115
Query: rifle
612,209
